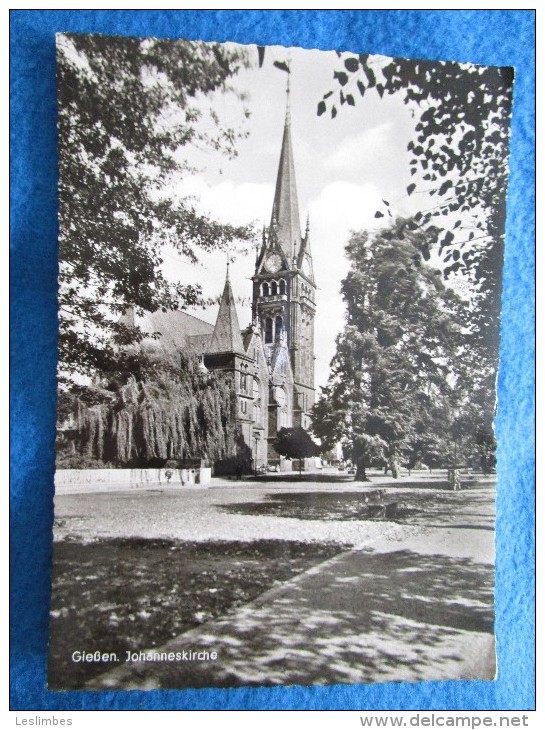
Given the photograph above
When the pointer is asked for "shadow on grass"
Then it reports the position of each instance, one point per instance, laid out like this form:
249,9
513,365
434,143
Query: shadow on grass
132,594
363,618
410,507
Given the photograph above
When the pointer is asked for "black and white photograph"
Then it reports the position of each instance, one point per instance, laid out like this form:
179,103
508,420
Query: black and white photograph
279,324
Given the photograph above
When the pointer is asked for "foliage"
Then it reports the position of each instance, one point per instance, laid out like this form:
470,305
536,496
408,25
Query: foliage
461,147
396,377
459,159
295,443
128,108
175,415
168,587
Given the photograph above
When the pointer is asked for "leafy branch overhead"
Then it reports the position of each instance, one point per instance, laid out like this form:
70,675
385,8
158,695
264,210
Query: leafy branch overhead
460,146
128,108
458,161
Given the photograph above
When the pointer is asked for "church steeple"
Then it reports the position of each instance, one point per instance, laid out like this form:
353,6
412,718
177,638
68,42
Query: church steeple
284,287
285,229
304,260
226,336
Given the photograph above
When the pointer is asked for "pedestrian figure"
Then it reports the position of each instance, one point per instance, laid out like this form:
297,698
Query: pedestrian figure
454,481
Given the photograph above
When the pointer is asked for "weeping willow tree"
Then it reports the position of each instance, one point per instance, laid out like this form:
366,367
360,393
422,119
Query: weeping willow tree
174,414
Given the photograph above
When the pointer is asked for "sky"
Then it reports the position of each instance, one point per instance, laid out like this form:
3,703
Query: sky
344,167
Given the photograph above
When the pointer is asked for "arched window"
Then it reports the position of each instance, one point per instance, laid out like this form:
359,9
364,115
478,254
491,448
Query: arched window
274,288
257,402
244,378
268,330
265,289
282,286
278,322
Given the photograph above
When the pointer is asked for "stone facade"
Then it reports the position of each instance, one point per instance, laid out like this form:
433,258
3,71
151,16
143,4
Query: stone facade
284,290
271,362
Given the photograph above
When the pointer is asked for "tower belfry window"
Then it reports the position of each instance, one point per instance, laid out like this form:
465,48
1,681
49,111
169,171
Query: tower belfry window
278,327
284,271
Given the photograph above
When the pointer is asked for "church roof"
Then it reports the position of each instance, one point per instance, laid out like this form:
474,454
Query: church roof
247,337
177,329
226,336
285,223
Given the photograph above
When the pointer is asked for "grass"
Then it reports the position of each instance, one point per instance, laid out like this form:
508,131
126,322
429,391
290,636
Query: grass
119,594
409,505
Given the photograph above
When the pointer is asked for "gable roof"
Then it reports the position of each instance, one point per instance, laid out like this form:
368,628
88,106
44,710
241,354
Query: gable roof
177,329
226,336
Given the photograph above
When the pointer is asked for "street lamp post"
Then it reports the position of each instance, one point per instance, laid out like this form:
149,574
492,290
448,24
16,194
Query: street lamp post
256,439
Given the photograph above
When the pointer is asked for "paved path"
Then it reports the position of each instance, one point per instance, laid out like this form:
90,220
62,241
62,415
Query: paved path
409,607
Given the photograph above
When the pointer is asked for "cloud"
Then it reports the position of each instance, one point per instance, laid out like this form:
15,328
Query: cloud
340,208
227,201
359,152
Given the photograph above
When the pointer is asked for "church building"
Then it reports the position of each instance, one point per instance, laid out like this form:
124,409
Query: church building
271,362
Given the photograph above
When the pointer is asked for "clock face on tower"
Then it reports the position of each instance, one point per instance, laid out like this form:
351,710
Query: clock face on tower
273,262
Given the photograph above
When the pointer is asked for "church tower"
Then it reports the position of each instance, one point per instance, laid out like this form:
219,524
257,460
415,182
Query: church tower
283,284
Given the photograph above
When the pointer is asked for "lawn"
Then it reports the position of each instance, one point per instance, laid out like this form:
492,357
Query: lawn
134,570
119,594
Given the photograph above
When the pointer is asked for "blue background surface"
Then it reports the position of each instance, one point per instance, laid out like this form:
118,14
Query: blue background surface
504,38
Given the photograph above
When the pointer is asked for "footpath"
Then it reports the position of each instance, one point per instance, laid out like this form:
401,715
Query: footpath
417,608
88,481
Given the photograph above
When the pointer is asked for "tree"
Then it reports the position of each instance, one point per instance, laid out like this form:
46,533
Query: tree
127,109
459,159
397,364
295,443
174,415
460,150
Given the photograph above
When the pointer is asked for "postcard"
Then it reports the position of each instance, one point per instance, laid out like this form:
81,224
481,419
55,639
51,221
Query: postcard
279,307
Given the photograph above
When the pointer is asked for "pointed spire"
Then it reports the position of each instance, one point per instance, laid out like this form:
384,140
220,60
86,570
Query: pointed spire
305,253
263,241
260,250
285,212
226,336
288,110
